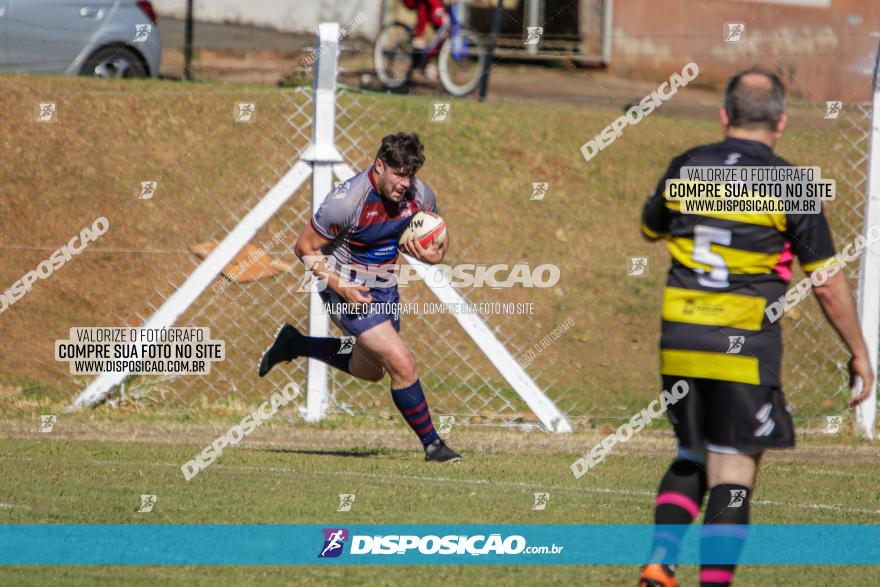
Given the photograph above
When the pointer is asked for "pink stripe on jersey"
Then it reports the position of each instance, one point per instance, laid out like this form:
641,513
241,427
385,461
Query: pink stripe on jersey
716,576
783,266
679,499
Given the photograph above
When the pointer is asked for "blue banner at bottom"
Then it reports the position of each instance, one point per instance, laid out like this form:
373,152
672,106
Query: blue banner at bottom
559,544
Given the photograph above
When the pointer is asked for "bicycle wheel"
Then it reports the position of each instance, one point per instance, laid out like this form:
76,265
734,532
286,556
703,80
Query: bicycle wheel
462,59
392,55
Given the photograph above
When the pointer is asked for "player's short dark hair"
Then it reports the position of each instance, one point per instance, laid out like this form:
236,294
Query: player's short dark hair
402,152
749,106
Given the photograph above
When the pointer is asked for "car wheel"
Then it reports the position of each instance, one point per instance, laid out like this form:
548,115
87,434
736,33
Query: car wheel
114,62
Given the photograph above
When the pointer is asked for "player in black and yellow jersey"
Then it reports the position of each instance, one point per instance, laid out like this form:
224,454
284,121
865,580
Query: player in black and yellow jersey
726,269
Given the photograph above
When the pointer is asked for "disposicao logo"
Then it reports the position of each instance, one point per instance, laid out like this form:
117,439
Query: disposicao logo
334,540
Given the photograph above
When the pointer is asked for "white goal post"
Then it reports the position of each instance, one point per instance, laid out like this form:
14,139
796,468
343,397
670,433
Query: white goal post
322,161
869,273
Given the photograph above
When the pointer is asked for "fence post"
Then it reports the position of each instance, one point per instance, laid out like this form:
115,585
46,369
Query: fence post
869,275
321,155
607,26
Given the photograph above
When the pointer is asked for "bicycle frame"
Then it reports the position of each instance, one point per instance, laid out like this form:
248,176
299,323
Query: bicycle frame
459,47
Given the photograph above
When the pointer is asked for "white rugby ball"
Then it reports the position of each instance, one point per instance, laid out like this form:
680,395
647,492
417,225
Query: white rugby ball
425,227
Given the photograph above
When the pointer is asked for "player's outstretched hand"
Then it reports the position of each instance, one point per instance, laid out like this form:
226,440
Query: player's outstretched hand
432,254
860,367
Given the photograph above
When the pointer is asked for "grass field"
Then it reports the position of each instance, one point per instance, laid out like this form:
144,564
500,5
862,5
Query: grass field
93,471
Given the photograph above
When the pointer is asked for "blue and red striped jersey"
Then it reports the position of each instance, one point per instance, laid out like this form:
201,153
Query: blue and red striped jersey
365,227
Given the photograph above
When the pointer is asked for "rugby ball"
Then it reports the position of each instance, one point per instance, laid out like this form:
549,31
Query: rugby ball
425,227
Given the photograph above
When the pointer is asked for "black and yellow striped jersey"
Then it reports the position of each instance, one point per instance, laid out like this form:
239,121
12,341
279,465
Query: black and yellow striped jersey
726,269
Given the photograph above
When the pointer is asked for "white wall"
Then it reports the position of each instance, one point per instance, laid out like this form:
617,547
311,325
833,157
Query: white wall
300,16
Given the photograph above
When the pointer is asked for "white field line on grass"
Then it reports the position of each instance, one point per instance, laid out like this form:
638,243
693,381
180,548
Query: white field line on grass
839,473
486,482
816,506
520,484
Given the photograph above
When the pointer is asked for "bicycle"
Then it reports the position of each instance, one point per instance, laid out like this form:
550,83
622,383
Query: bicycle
461,56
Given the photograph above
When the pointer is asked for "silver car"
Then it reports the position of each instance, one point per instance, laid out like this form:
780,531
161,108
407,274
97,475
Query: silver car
105,38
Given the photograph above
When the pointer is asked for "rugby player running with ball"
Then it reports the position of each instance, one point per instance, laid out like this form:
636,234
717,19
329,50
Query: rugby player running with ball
359,224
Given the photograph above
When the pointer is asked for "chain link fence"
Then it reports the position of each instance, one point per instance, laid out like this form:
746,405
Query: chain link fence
246,315
460,379
815,365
